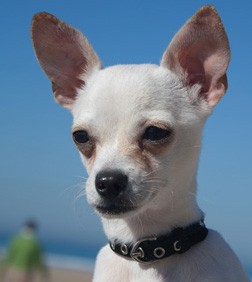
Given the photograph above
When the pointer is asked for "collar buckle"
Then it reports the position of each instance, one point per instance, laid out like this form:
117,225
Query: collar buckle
137,253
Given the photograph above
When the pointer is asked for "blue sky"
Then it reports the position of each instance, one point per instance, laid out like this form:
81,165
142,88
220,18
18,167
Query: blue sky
40,171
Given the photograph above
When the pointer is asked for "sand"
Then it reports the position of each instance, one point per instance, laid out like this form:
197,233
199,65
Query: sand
58,274
63,275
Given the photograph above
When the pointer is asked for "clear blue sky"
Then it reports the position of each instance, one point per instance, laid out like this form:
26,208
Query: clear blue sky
40,170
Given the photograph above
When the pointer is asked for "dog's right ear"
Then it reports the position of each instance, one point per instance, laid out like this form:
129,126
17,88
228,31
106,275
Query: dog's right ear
65,55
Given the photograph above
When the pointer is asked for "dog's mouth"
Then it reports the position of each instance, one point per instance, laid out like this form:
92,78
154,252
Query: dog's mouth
114,210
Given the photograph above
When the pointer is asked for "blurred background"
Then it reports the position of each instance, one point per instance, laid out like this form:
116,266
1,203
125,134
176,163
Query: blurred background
41,176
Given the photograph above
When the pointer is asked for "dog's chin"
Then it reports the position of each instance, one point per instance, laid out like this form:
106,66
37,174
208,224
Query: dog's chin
114,211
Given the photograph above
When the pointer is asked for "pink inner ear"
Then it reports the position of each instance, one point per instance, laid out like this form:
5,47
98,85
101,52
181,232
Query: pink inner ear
66,94
64,54
200,52
198,61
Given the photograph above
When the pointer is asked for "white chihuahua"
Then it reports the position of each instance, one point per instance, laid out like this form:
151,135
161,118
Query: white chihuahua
139,129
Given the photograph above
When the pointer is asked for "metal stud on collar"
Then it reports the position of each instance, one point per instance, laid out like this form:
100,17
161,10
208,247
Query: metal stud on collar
177,246
112,245
159,252
124,249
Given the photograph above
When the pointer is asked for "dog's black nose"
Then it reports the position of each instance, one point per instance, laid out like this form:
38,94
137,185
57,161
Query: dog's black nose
109,184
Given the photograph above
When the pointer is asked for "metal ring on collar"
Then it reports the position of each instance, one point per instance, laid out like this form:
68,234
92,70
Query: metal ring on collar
112,245
124,249
177,246
159,252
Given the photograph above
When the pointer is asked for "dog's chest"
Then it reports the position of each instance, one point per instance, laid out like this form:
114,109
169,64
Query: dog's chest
111,267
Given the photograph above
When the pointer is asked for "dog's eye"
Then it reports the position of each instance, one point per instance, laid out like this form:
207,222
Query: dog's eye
80,136
153,133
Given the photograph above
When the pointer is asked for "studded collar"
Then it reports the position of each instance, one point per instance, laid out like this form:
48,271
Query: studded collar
178,241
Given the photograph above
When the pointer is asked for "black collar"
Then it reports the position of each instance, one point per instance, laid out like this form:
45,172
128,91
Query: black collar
177,241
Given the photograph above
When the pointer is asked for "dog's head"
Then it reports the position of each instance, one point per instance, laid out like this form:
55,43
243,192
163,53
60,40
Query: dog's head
137,127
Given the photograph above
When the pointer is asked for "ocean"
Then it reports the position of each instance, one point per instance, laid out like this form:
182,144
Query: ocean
69,255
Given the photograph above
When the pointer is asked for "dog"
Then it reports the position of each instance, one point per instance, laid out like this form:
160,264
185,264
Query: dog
138,129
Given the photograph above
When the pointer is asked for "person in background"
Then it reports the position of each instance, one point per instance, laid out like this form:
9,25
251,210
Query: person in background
24,256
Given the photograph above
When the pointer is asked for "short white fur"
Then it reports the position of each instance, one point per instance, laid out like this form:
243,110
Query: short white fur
115,105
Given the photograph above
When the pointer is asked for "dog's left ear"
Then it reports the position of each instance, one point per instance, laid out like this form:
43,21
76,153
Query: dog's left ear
65,55
199,53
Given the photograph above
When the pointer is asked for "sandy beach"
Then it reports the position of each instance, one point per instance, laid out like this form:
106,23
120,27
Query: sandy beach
65,270
65,275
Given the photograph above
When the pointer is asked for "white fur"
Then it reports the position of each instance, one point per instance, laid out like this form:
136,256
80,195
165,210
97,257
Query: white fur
115,105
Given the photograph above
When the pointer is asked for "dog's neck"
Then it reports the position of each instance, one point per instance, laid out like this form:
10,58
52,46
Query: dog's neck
149,223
